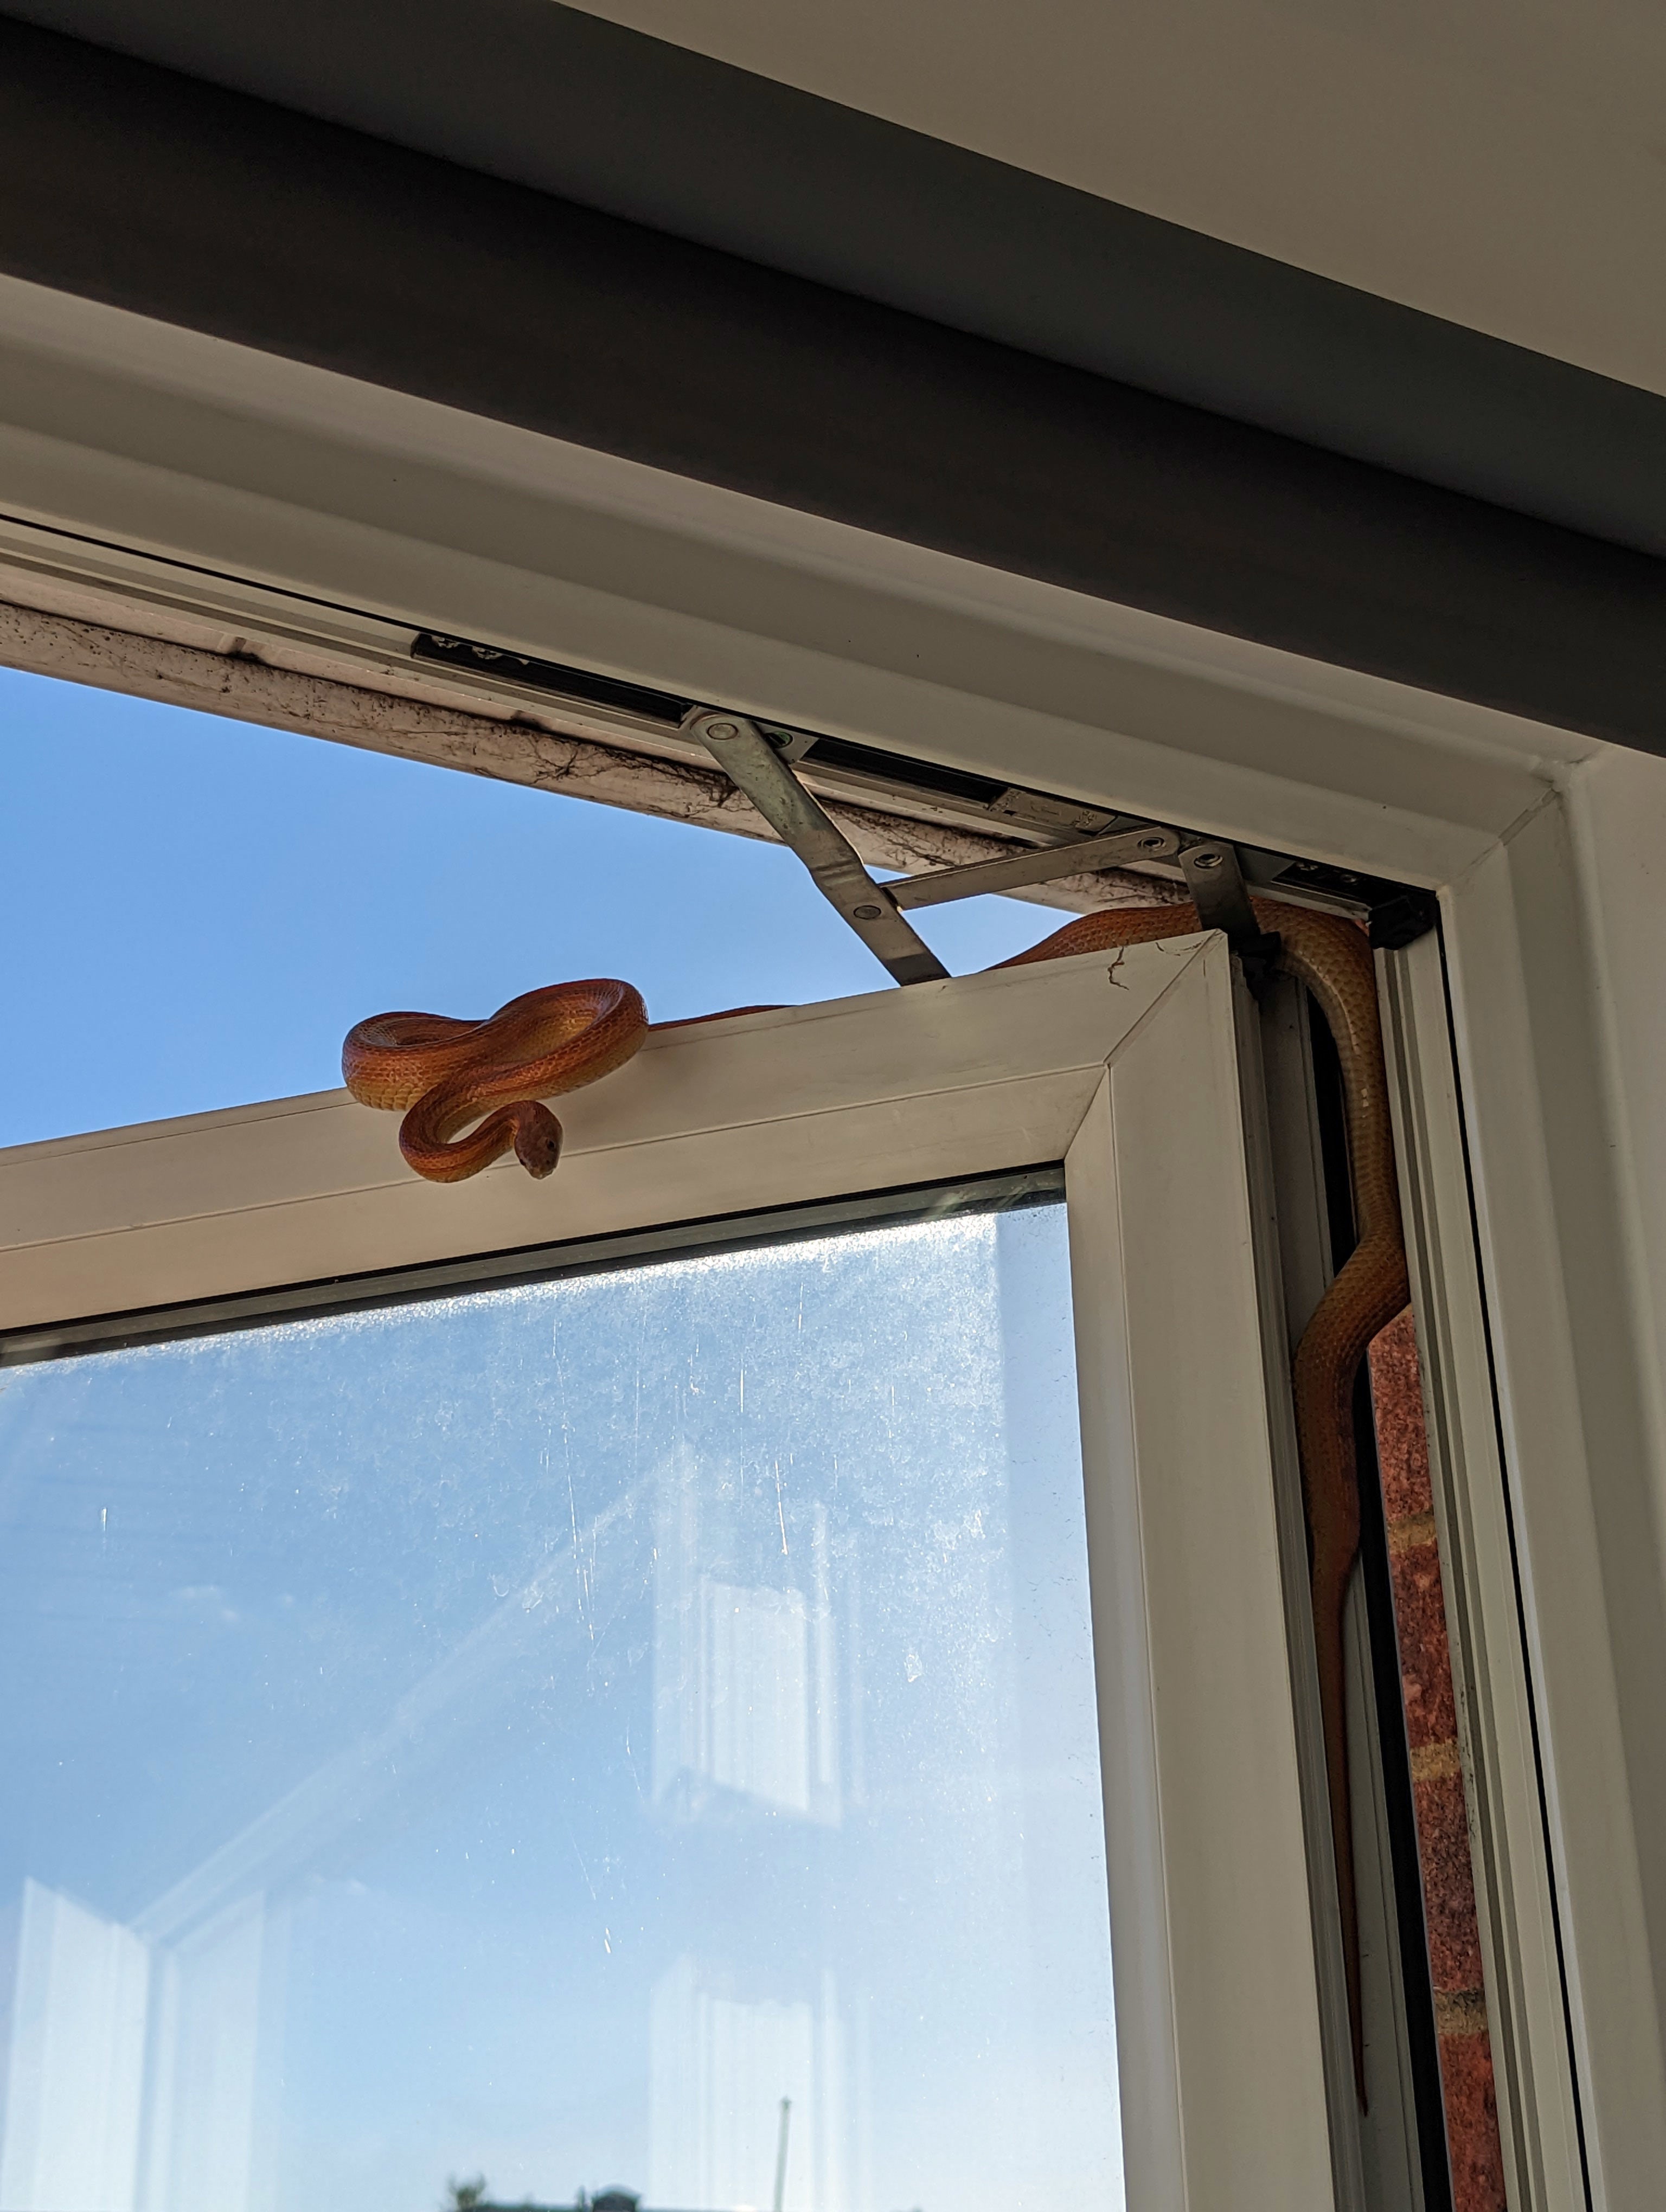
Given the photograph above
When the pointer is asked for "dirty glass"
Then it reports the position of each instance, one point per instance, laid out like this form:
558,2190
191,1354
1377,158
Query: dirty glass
632,1732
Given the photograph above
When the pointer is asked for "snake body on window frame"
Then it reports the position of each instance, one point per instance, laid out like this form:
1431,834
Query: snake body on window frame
442,1074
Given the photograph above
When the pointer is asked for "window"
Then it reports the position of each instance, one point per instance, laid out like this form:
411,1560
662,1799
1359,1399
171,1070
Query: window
638,1722
617,1779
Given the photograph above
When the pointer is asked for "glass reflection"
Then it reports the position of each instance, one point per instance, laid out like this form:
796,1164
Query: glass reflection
632,1730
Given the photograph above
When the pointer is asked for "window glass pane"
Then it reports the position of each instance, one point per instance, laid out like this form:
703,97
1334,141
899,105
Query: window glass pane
634,1729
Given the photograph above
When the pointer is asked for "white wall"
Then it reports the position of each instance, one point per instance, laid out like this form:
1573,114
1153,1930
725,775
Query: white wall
1498,165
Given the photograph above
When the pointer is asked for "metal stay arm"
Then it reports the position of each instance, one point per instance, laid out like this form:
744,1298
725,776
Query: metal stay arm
1045,865
875,911
756,768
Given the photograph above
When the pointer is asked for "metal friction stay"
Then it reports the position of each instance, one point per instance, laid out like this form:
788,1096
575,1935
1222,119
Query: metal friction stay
661,727
754,766
877,911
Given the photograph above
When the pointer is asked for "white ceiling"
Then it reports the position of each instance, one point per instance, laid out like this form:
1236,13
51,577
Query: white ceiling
1501,163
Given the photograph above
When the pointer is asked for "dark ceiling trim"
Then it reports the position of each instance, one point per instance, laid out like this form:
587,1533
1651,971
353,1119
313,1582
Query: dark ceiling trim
550,96
126,183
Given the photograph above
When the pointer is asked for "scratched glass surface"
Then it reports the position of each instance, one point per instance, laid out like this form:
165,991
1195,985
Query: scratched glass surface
635,1731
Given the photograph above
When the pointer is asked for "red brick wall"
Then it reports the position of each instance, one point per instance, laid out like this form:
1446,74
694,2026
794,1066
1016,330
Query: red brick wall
1443,1828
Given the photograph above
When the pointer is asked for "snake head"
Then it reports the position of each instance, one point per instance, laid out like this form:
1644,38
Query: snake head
537,1138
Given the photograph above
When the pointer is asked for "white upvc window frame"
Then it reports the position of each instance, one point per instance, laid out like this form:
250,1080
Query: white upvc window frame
302,515
1124,1068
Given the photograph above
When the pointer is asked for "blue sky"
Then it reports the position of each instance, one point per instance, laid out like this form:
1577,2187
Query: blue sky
194,911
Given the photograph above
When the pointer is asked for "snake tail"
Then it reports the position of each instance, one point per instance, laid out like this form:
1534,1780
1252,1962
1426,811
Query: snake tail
1332,957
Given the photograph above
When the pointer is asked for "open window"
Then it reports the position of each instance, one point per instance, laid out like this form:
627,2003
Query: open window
648,1676
1200,1229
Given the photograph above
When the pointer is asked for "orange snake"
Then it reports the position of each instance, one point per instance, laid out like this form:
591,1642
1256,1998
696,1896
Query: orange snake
443,1074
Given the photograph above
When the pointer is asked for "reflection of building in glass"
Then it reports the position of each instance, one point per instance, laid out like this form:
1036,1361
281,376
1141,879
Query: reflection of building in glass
132,2062
719,2066
747,1719
78,1989
185,2001
753,1730
745,1695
